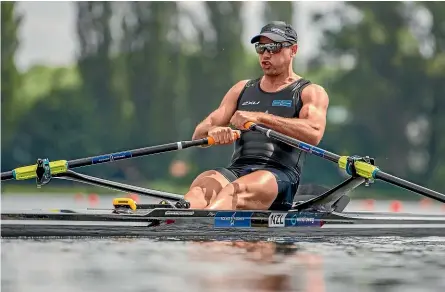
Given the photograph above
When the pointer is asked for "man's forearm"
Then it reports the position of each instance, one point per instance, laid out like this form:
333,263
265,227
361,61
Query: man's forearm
296,128
206,125
202,129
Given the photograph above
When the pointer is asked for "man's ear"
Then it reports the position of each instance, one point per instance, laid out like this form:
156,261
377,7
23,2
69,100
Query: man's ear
294,50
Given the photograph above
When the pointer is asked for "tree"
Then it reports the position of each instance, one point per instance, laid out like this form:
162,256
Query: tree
10,83
279,10
96,69
219,62
388,84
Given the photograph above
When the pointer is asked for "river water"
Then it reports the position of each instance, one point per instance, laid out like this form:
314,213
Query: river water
318,265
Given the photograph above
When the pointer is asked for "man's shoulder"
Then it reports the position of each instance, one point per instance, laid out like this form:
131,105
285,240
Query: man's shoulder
241,83
313,90
238,87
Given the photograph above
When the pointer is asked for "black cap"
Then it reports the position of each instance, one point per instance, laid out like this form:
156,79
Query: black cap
278,31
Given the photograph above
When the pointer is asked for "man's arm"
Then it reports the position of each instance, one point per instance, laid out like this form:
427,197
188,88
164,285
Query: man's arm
311,124
221,116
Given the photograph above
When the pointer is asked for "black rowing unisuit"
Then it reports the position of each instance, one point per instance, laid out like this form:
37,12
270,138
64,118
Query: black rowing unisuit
257,148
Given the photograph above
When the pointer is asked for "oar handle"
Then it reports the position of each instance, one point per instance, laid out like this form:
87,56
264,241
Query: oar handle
211,141
249,125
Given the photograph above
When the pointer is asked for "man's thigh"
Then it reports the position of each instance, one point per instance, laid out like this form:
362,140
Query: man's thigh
287,188
254,191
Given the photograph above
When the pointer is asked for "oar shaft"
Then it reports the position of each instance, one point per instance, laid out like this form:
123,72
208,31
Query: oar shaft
294,142
410,186
362,168
61,166
135,153
7,175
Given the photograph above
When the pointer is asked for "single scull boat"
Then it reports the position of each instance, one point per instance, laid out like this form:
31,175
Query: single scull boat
314,213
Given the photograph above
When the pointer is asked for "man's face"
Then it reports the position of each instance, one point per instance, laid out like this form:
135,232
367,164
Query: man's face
274,64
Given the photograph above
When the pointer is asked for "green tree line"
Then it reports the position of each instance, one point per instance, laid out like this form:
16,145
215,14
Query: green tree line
382,64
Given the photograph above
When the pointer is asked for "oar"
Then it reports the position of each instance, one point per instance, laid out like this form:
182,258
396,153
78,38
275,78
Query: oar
362,168
62,166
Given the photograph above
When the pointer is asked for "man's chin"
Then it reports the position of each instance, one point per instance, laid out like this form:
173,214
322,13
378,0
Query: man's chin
270,72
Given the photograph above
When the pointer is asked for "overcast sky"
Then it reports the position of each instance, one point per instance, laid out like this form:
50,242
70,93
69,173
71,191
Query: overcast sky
48,35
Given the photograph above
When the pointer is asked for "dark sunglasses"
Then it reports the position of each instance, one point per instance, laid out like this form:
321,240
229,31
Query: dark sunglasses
272,48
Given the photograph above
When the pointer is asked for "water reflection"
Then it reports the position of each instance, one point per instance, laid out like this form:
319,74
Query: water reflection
259,266
337,265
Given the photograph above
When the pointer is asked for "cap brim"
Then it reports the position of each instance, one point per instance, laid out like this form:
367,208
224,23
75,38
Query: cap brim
274,37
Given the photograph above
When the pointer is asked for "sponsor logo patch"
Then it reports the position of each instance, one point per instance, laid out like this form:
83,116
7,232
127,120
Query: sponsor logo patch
285,103
304,219
250,103
233,219
179,213
277,219
277,31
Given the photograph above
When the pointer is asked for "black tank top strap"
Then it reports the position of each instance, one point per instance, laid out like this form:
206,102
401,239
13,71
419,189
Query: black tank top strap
302,84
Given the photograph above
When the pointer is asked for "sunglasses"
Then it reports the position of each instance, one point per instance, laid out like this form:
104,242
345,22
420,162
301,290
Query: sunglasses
272,48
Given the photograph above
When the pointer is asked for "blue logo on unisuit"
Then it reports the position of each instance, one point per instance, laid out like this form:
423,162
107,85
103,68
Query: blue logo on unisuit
233,219
286,103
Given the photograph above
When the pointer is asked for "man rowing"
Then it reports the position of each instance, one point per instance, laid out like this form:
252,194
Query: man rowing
264,173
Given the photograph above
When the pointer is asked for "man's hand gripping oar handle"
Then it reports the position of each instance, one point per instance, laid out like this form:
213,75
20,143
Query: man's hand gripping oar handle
211,141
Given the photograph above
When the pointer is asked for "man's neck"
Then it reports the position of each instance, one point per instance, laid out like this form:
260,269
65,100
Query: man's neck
277,80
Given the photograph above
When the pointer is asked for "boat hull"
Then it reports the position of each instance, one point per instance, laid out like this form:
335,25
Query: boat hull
161,223
208,232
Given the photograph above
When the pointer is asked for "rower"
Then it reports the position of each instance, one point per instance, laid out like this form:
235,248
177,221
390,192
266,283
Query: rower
263,173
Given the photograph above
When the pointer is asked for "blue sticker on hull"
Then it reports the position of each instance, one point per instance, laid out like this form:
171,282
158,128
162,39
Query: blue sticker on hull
233,219
303,220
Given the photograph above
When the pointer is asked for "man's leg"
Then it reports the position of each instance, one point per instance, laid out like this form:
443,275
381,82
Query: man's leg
205,187
254,191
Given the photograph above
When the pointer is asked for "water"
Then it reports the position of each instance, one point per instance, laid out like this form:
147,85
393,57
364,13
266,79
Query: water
318,265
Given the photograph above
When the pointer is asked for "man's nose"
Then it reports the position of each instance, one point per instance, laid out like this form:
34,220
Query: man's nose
266,54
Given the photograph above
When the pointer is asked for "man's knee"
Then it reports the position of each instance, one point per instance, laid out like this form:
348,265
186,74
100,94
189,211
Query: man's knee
234,188
235,192
196,194
206,185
